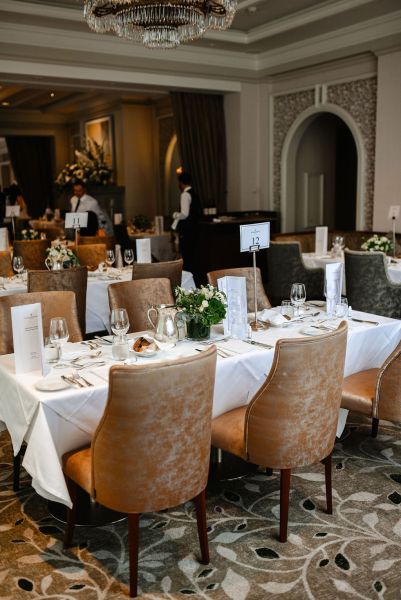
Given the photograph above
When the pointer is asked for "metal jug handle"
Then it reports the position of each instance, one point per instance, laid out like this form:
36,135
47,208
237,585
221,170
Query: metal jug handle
149,318
48,263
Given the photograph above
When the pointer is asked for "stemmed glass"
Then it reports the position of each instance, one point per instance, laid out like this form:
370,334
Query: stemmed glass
129,256
58,333
18,265
298,296
110,258
119,322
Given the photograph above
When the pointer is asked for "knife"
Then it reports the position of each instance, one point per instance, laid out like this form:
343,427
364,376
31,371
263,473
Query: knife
68,380
104,340
362,321
258,344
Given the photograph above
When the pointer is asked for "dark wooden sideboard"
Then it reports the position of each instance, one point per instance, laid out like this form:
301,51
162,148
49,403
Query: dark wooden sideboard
218,243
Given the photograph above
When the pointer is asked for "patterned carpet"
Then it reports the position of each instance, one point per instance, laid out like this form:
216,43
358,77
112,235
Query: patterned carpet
355,553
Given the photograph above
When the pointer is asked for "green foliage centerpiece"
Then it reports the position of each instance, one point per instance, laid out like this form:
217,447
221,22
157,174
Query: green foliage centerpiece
203,308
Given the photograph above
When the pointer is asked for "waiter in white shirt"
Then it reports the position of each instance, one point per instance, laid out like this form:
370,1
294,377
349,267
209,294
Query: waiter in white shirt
82,202
186,221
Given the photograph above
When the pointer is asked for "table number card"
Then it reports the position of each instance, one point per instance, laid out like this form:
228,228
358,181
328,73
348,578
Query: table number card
255,236
321,235
394,212
143,251
12,211
28,338
76,220
236,323
3,238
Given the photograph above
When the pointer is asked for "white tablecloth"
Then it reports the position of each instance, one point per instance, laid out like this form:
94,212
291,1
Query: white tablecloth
97,301
54,423
313,260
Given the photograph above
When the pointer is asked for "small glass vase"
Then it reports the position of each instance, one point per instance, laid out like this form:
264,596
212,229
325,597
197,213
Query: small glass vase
196,328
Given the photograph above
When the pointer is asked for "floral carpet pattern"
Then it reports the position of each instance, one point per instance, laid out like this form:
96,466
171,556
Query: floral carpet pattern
354,553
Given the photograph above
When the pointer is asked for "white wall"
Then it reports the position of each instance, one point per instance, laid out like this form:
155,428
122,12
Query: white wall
388,141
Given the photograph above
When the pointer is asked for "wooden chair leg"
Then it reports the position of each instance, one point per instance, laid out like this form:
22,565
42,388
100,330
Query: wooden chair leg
16,470
133,540
285,479
71,512
327,477
200,506
375,427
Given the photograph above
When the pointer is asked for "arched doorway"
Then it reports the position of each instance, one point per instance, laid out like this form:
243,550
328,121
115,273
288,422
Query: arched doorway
322,164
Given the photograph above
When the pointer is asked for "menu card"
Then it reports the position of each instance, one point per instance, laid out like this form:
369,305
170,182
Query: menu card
3,238
143,251
321,235
28,338
333,285
235,323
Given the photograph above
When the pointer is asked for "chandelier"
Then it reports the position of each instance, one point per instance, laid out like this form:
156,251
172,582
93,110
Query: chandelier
159,23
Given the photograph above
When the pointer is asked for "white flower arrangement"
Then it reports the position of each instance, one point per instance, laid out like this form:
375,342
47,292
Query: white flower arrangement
62,254
29,234
207,302
90,167
377,243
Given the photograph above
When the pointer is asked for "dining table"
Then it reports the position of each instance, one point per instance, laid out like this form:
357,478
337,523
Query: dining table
97,300
53,421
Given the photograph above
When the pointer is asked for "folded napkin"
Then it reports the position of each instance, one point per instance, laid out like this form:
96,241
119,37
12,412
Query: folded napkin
333,285
269,315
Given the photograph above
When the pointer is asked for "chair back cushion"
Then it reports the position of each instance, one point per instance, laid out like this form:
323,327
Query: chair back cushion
90,255
151,449
368,287
74,280
6,268
54,304
171,269
137,297
292,419
33,252
388,394
247,272
107,240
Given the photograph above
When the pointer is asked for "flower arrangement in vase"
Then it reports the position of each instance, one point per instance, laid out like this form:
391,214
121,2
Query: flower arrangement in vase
30,234
202,307
377,243
60,257
89,167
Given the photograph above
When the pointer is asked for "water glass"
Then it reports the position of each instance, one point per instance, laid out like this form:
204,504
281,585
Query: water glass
110,257
298,296
58,333
287,310
129,256
52,351
342,308
119,321
120,348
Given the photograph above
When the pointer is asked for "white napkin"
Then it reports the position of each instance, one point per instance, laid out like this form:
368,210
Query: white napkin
334,275
269,315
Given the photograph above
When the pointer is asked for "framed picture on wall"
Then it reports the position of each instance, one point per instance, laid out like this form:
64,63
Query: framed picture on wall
101,131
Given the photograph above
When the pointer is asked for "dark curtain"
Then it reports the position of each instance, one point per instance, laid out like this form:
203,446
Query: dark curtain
32,160
201,135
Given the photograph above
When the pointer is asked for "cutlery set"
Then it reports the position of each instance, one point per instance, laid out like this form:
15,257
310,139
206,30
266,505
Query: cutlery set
76,379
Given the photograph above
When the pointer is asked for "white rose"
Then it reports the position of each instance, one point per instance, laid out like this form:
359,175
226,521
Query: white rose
205,303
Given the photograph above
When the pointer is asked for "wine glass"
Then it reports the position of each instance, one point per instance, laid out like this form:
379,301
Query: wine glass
58,332
129,256
119,322
18,265
298,296
110,258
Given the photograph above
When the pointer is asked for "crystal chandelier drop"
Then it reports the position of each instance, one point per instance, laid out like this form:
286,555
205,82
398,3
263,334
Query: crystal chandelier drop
159,23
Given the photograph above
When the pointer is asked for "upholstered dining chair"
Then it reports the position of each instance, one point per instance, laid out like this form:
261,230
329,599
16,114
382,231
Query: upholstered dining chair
368,287
285,267
137,297
247,272
54,304
33,252
171,409
107,240
291,421
6,268
172,269
90,255
74,280
376,392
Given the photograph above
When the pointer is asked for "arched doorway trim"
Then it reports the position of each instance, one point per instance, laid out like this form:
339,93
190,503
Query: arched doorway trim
167,168
288,158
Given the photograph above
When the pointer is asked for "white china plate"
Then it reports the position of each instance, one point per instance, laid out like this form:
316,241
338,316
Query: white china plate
51,384
313,331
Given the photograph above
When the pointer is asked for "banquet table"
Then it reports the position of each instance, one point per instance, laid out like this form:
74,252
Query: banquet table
97,301
313,260
53,423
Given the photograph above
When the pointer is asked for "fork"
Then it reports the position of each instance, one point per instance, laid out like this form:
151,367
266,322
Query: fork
76,376
79,358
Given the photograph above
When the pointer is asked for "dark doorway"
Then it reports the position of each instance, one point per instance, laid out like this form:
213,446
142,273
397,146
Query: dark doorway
345,178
